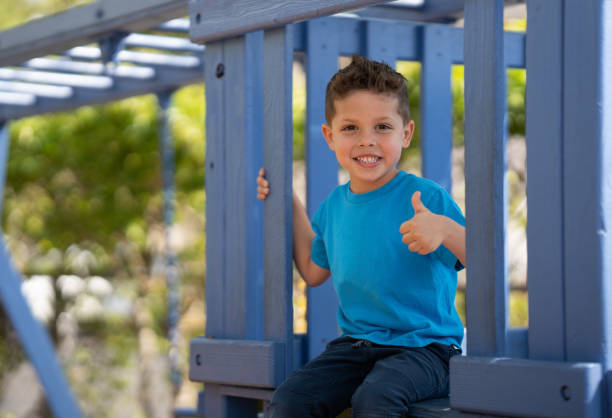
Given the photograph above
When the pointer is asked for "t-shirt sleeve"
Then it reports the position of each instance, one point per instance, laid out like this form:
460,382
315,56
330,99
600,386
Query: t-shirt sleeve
443,204
318,253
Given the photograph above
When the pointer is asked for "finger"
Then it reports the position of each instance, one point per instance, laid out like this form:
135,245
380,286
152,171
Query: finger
263,190
262,182
262,172
417,204
408,238
414,247
405,227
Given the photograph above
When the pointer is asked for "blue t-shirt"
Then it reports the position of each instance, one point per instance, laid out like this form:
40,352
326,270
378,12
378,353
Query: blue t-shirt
388,294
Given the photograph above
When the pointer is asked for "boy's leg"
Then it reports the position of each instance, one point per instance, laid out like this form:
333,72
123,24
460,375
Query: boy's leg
323,387
397,381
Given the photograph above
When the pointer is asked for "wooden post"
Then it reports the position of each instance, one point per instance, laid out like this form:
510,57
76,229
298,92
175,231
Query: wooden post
321,170
485,166
544,127
437,106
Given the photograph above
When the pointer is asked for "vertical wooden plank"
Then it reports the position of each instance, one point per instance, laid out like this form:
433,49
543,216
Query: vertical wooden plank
34,340
321,169
380,41
485,99
253,156
215,190
544,104
278,155
235,194
587,116
436,105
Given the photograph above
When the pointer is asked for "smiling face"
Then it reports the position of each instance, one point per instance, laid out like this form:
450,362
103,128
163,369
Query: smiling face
367,134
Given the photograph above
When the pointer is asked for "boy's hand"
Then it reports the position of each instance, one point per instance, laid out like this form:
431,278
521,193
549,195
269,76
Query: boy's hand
424,233
263,187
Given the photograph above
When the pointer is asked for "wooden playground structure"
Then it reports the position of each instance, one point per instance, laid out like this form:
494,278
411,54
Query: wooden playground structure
558,366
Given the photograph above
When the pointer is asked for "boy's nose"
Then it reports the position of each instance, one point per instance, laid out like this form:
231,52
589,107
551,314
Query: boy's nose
367,140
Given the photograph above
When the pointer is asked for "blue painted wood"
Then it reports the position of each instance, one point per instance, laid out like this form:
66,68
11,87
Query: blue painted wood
408,37
518,387
217,404
215,192
253,159
436,106
321,170
35,340
164,78
587,179
211,21
380,41
544,104
223,361
237,191
487,288
278,156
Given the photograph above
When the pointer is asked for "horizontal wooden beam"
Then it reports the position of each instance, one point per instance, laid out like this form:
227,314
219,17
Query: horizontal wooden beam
214,20
237,362
83,25
525,387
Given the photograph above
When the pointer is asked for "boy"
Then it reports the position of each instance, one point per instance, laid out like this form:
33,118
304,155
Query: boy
392,243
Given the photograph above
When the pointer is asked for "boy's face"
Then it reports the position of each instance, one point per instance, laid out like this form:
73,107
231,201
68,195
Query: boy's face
367,134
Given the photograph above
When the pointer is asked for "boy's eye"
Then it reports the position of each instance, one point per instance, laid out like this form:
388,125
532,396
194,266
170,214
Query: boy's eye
349,128
383,126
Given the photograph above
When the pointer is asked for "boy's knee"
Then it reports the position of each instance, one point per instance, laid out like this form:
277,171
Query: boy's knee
373,400
286,404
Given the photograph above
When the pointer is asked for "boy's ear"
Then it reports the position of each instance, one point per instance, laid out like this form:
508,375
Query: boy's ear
408,132
327,134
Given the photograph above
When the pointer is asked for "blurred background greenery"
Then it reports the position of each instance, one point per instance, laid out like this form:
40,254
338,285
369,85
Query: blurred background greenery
83,197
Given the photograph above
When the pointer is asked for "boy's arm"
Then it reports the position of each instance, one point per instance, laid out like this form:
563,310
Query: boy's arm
303,235
426,231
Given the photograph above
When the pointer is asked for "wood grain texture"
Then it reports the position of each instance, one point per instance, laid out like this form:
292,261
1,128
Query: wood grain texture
278,155
380,41
214,20
436,105
219,404
525,387
83,25
215,193
237,362
544,105
321,169
485,165
587,110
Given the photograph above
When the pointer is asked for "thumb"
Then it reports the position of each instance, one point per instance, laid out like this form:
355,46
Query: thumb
417,204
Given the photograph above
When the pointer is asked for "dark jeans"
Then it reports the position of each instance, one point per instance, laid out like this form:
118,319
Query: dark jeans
375,380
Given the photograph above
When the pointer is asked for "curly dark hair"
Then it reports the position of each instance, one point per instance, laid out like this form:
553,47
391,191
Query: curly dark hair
365,74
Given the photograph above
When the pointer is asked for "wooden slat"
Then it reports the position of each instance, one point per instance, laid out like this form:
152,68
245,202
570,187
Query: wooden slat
321,169
234,113
237,362
253,157
213,20
487,289
544,103
215,192
380,41
436,106
278,155
83,25
525,387
587,118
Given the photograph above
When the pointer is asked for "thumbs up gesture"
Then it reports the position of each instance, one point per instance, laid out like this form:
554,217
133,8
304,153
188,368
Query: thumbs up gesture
425,231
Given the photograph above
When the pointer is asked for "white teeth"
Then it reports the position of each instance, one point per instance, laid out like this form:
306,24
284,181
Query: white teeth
367,159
